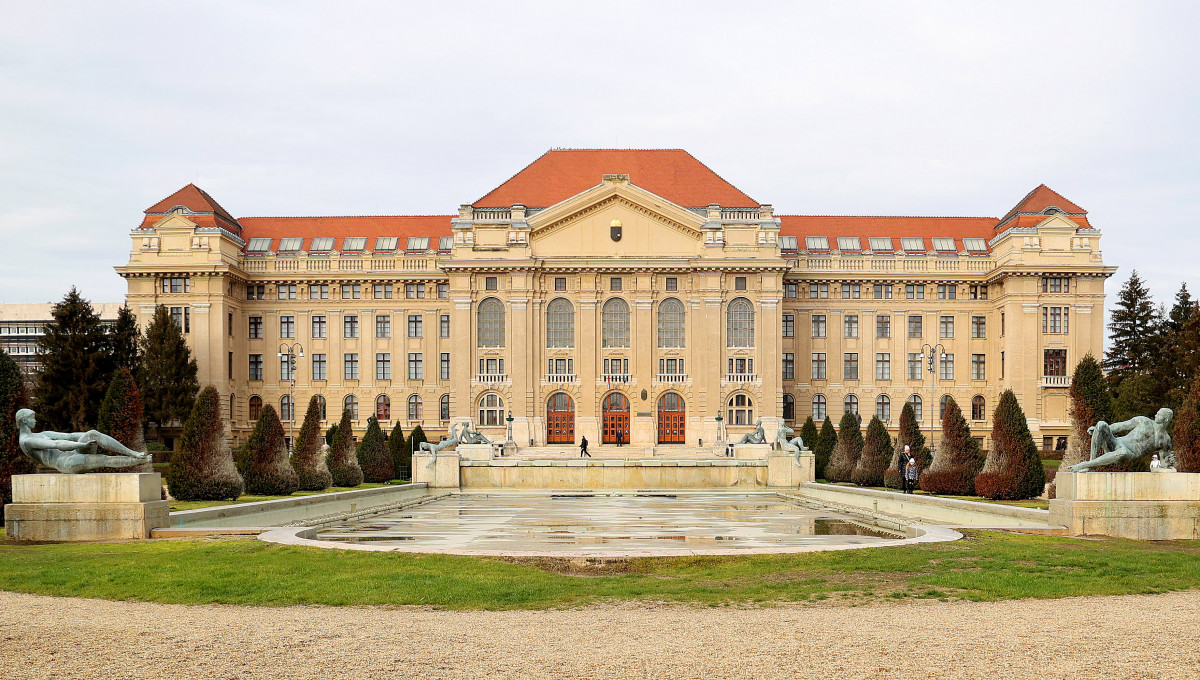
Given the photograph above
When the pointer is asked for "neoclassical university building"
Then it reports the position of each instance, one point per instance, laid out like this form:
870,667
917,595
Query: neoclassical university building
630,295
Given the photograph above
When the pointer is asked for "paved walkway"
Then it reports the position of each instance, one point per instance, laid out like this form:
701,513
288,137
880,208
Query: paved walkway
1138,637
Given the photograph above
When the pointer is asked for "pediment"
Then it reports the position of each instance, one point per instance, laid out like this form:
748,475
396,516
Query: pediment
175,221
1058,221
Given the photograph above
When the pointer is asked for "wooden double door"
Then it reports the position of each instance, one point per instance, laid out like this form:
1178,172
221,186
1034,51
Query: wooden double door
614,419
560,419
672,417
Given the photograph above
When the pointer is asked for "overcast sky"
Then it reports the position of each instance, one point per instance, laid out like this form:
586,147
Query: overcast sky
356,108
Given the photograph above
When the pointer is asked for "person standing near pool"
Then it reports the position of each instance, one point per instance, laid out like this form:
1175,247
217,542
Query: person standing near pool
910,475
583,448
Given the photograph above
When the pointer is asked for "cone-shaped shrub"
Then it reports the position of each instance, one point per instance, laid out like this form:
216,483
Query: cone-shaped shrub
12,399
373,454
808,433
876,453
957,460
1013,469
847,450
1091,401
414,440
823,449
307,458
268,471
1186,433
121,416
343,464
398,450
202,469
910,434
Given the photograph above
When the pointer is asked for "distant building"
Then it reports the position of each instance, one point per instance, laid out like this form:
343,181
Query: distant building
22,326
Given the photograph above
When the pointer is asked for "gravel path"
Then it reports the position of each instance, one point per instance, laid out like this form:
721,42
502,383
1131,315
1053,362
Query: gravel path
1104,637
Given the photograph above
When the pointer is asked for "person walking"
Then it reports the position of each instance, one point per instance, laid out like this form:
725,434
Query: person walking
910,475
583,448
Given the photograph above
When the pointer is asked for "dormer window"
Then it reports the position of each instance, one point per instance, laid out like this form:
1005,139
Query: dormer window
975,245
943,245
384,244
290,245
354,244
445,244
417,244
912,244
322,244
849,243
816,242
258,245
788,243
881,244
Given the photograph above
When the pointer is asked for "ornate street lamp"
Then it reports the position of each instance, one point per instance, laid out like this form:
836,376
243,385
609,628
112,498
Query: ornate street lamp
291,352
931,353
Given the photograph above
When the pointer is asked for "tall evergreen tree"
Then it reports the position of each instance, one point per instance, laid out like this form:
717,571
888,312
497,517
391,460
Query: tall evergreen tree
808,433
1137,395
268,471
168,371
307,458
1185,432
1091,401
125,341
76,365
1133,332
121,416
910,434
415,439
398,450
373,455
343,464
1013,469
202,469
12,399
876,452
823,449
847,450
957,460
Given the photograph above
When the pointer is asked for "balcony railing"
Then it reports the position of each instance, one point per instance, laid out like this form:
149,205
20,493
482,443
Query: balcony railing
491,377
672,377
1056,381
560,377
741,377
614,377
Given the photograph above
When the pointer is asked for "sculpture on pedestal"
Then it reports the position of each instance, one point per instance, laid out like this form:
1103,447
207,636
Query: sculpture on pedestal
758,436
460,433
792,445
73,452
1138,437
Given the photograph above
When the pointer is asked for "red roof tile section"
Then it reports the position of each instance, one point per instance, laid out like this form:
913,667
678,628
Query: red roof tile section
957,228
193,198
1041,198
403,226
559,174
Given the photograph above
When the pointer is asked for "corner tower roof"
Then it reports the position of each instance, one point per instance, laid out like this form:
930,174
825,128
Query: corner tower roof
196,200
1041,198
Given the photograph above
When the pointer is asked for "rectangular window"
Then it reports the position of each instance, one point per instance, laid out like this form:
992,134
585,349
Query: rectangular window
818,325
851,291
672,283
256,292
416,291
285,368
670,366
350,366
616,366
444,325
444,366
492,366
915,329
350,326
1002,365
741,366
883,292
416,369
851,325
256,367
318,326
1002,324
1055,319
383,291
789,366
318,366
318,292
176,284
229,364
560,283
791,290
883,366
850,366
946,367
979,293
946,327
818,291
914,365
883,326
978,367
490,283
383,326
256,328
789,325
1056,284
1055,362
351,291
818,366
182,316
739,283
383,366
947,292
287,326
287,291
914,292
978,327
614,284
416,326
443,291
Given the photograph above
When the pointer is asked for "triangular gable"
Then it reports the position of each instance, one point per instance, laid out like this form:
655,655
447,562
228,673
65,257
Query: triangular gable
1038,200
196,200
617,192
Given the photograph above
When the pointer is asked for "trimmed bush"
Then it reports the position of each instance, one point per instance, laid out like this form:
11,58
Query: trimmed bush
910,434
121,416
307,458
823,449
268,471
957,460
373,455
202,469
1186,431
876,452
414,441
847,450
1013,469
401,457
12,399
343,464
808,433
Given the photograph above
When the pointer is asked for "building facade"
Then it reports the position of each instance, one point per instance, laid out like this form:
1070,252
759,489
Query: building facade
23,325
626,295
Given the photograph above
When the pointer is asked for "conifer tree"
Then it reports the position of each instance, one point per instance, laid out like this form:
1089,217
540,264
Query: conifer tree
202,469
1013,469
957,460
126,340
808,433
268,471
910,434
1133,332
415,440
1185,434
168,371
823,449
331,433
847,450
1137,395
12,399
1091,401
76,366
398,450
343,464
121,416
307,458
373,455
876,452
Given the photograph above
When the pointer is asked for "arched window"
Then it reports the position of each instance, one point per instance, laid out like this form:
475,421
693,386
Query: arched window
490,328
977,407
739,327
916,402
414,407
383,407
255,407
491,409
560,323
818,407
321,405
789,407
883,407
287,410
741,410
946,398
232,403
851,404
671,323
614,318
351,405
444,407
560,402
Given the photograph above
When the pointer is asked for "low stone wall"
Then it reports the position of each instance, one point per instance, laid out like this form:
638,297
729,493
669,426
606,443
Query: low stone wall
283,511
86,507
950,511
1138,505
578,474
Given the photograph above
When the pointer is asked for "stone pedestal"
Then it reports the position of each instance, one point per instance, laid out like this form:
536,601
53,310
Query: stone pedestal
85,507
751,451
473,452
783,471
1138,505
442,474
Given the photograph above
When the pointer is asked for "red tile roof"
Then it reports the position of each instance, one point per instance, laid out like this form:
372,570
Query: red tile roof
193,198
1039,199
403,226
559,174
957,228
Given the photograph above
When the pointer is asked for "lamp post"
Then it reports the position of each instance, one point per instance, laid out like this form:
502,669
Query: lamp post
931,353
720,435
290,352
509,420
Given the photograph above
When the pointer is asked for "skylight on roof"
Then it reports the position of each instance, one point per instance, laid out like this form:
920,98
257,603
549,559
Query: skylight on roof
446,243
975,245
881,244
816,242
258,245
912,244
321,244
943,244
289,245
849,243
788,243
383,243
353,243
418,243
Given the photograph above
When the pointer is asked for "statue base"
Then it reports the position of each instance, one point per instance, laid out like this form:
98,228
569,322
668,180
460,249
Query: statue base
1138,505
440,474
751,451
85,507
782,470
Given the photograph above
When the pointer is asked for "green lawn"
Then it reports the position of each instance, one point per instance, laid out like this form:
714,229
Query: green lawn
984,566
192,505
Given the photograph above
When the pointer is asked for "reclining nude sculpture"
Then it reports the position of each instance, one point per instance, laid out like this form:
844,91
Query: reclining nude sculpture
73,452
788,444
758,436
1139,437
459,434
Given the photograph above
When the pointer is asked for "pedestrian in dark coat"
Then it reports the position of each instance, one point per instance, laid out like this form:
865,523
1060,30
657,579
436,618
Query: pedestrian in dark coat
910,475
583,448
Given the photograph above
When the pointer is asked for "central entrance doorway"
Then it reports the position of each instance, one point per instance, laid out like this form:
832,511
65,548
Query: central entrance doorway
671,419
560,419
614,419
